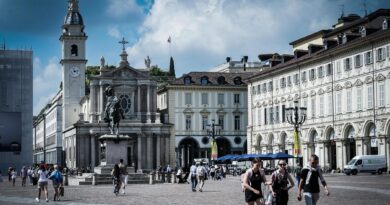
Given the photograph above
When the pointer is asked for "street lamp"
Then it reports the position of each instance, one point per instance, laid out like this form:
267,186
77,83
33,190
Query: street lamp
296,116
213,143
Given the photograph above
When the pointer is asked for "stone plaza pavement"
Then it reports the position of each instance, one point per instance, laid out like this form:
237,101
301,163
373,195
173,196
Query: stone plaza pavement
356,190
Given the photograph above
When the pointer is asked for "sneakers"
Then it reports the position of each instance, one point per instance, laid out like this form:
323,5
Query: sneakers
37,200
47,200
123,192
200,190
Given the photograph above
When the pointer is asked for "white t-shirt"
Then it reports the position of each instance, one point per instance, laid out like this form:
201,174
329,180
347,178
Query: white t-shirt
42,176
201,171
13,175
193,170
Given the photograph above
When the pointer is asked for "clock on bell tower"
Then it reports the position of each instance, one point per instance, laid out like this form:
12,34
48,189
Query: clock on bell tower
73,64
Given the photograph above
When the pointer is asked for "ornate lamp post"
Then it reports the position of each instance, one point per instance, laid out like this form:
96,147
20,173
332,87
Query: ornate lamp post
213,143
296,116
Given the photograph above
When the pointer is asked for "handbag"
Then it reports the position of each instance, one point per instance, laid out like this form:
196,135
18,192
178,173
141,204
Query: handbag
61,191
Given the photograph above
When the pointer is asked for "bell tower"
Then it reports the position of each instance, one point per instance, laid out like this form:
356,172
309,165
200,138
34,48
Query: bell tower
73,64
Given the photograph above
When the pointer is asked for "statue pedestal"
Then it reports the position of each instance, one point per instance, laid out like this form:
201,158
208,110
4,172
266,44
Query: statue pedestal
115,148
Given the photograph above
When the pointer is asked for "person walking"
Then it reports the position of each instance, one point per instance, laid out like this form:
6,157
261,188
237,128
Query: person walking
201,174
124,175
56,176
309,182
212,173
116,179
42,183
297,173
14,174
281,183
29,174
23,174
251,183
194,180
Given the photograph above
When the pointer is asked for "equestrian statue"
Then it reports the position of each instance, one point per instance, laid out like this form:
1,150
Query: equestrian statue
113,112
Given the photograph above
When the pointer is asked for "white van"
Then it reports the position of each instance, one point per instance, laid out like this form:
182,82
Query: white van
366,163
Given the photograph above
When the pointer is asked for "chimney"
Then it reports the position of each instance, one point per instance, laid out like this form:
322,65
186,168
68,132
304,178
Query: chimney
228,59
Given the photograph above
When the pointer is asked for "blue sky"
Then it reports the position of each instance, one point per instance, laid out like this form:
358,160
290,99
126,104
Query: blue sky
203,32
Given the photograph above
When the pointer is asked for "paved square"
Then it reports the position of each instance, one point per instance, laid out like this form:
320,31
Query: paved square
357,190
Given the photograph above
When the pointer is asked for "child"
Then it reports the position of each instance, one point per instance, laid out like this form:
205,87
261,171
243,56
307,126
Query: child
13,176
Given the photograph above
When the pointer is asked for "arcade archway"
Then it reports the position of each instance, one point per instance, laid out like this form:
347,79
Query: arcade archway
350,143
188,151
224,146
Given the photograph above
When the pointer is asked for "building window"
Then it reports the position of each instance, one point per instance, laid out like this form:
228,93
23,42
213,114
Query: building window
338,67
329,69
347,64
258,89
359,105
237,122
289,83
253,90
74,50
283,113
204,122
296,79
188,99
320,72
303,77
277,114
321,105
264,87
358,61
258,117
236,98
370,97
188,122
271,115
380,54
368,57
330,104
381,95
283,82
349,101
270,86
388,51
339,103
221,121
313,107
187,81
312,74
237,81
265,116
205,99
204,81
221,99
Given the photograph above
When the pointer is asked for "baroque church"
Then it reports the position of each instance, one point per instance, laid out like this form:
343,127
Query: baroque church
78,116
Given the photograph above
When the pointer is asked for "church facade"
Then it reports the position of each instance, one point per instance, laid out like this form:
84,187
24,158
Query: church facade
81,113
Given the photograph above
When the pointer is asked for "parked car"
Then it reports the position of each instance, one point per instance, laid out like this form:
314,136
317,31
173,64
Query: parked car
366,163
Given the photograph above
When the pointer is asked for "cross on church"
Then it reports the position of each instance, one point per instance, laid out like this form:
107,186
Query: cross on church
123,42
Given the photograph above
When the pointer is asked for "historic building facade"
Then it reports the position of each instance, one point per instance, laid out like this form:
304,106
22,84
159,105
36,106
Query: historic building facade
192,101
16,87
342,77
77,113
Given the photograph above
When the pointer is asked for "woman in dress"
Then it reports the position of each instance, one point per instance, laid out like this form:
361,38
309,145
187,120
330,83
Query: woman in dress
252,183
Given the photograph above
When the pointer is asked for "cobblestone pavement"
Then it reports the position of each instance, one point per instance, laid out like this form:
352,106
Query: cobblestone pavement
356,190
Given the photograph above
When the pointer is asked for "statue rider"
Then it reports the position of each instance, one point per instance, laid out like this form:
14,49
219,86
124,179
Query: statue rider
113,111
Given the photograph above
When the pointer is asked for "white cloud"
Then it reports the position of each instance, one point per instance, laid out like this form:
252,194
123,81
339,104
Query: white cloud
122,8
114,32
205,32
46,83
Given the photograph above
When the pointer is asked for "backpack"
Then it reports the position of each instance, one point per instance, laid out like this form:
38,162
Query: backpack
58,177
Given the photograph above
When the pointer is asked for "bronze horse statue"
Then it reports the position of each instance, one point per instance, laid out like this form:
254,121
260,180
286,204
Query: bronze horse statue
113,112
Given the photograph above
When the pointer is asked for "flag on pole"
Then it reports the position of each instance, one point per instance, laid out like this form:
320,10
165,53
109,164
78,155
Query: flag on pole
169,39
214,150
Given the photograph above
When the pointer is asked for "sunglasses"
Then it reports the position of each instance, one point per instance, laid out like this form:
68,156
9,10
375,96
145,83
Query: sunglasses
282,164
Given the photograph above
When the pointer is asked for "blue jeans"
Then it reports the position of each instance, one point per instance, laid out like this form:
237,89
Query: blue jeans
194,182
311,198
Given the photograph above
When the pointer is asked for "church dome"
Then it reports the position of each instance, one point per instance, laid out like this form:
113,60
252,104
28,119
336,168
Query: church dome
73,18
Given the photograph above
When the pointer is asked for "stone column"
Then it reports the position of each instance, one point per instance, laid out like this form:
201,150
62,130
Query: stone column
167,150
139,102
139,152
158,150
326,153
387,147
93,151
92,103
365,145
149,154
162,150
148,120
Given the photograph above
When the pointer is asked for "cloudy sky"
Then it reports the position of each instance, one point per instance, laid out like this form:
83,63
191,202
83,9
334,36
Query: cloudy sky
203,32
